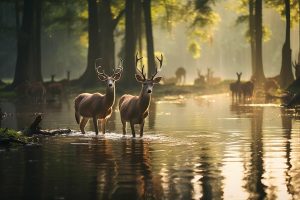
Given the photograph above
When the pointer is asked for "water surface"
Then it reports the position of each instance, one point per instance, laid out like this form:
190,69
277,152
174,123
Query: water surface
193,148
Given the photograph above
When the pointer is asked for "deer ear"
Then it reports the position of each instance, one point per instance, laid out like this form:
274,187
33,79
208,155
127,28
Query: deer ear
117,76
102,77
156,80
138,78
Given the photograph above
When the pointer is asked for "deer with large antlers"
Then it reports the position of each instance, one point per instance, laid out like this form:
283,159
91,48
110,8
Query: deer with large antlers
97,106
134,109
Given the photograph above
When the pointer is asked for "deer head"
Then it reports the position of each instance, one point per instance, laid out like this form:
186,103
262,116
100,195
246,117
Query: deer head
141,77
110,80
239,76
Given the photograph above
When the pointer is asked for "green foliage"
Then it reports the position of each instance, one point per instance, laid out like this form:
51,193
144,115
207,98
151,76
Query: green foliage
195,49
279,6
203,21
64,14
197,15
242,9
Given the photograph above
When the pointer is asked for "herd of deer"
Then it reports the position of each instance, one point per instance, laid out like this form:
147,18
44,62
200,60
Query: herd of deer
38,91
245,89
133,109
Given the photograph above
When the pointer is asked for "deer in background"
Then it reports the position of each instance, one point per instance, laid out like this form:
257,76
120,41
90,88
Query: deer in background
247,89
235,87
134,109
55,88
297,69
96,105
200,81
34,91
180,75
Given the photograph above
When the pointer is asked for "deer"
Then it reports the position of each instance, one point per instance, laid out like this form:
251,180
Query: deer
55,88
235,87
96,105
134,109
247,89
180,74
200,81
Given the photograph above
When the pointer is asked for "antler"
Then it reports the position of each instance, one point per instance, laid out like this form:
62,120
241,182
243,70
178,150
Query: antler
99,67
137,69
119,69
156,68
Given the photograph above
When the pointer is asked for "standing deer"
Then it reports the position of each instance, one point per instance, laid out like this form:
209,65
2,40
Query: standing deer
236,87
247,89
180,75
97,105
200,81
134,109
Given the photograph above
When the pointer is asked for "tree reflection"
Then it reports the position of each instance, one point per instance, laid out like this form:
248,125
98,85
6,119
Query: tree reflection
211,180
254,174
287,130
152,114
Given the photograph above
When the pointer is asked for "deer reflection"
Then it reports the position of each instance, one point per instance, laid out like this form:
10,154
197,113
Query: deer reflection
135,179
255,169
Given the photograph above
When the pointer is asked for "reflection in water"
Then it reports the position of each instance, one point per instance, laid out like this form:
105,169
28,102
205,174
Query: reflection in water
195,148
256,167
152,114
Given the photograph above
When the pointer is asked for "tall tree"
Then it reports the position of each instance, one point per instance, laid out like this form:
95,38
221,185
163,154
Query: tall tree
89,77
286,74
149,35
130,45
252,35
28,66
107,26
259,71
299,31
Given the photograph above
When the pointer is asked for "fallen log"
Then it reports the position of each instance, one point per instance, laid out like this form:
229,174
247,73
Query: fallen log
35,129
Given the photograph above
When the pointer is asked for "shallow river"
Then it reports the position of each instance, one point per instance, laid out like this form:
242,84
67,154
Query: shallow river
193,148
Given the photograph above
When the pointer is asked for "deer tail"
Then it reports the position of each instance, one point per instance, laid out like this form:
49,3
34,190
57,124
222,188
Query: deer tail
76,105
77,117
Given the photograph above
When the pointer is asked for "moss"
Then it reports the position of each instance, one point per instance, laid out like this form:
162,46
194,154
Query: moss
12,137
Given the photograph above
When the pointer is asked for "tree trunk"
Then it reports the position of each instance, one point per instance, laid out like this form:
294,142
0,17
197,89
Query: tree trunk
89,77
139,26
130,46
149,35
299,31
107,36
17,11
252,36
36,73
28,65
286,74
259,72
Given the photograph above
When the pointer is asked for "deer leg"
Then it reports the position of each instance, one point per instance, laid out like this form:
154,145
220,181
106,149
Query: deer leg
142,128
95,125
124,127
132,129
83,123
103,125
